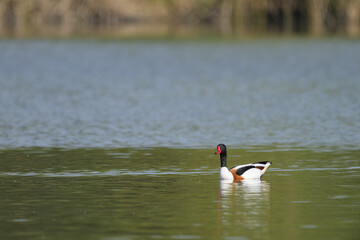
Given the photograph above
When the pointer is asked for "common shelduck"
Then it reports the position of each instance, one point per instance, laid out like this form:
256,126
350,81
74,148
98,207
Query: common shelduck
240,172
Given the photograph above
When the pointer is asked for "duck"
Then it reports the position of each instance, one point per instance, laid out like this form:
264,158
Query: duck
240,172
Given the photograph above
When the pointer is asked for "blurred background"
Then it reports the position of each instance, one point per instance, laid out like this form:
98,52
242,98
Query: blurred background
178,17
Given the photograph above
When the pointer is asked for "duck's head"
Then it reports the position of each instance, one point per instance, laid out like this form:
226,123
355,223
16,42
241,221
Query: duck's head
221,149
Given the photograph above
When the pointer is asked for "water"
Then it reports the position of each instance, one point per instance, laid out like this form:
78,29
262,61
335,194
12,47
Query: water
174,94
115,140
161,193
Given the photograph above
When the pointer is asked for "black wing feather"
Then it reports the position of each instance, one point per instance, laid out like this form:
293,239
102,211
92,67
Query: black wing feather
241,170
264,162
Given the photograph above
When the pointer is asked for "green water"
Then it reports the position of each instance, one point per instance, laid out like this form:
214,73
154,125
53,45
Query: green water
165,193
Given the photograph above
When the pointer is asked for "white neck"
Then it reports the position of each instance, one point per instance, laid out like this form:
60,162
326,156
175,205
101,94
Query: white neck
225,174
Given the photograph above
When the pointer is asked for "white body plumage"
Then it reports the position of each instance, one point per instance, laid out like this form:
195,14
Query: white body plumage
240,172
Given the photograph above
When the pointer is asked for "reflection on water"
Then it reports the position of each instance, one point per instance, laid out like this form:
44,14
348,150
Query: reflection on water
250,189
245,204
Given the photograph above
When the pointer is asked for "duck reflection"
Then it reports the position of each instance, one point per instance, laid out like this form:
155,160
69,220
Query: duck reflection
244,204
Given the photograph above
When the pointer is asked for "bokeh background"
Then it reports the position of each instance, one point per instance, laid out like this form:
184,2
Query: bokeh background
178,17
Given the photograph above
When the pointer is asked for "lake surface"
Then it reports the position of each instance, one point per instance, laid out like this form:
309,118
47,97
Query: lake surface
175,94
161,193
115,140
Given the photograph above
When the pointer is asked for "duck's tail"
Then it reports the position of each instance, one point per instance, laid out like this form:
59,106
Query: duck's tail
266,167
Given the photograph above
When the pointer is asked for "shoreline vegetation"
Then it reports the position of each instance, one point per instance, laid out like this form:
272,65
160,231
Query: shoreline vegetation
178,18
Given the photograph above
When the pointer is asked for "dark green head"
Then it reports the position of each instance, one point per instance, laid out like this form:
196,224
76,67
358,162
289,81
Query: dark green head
221,149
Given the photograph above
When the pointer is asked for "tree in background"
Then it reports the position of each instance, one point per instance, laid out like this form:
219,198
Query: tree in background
228,17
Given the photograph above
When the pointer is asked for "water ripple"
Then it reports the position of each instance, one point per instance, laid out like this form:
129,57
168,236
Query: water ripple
71,95
84,173
153,172
313,169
